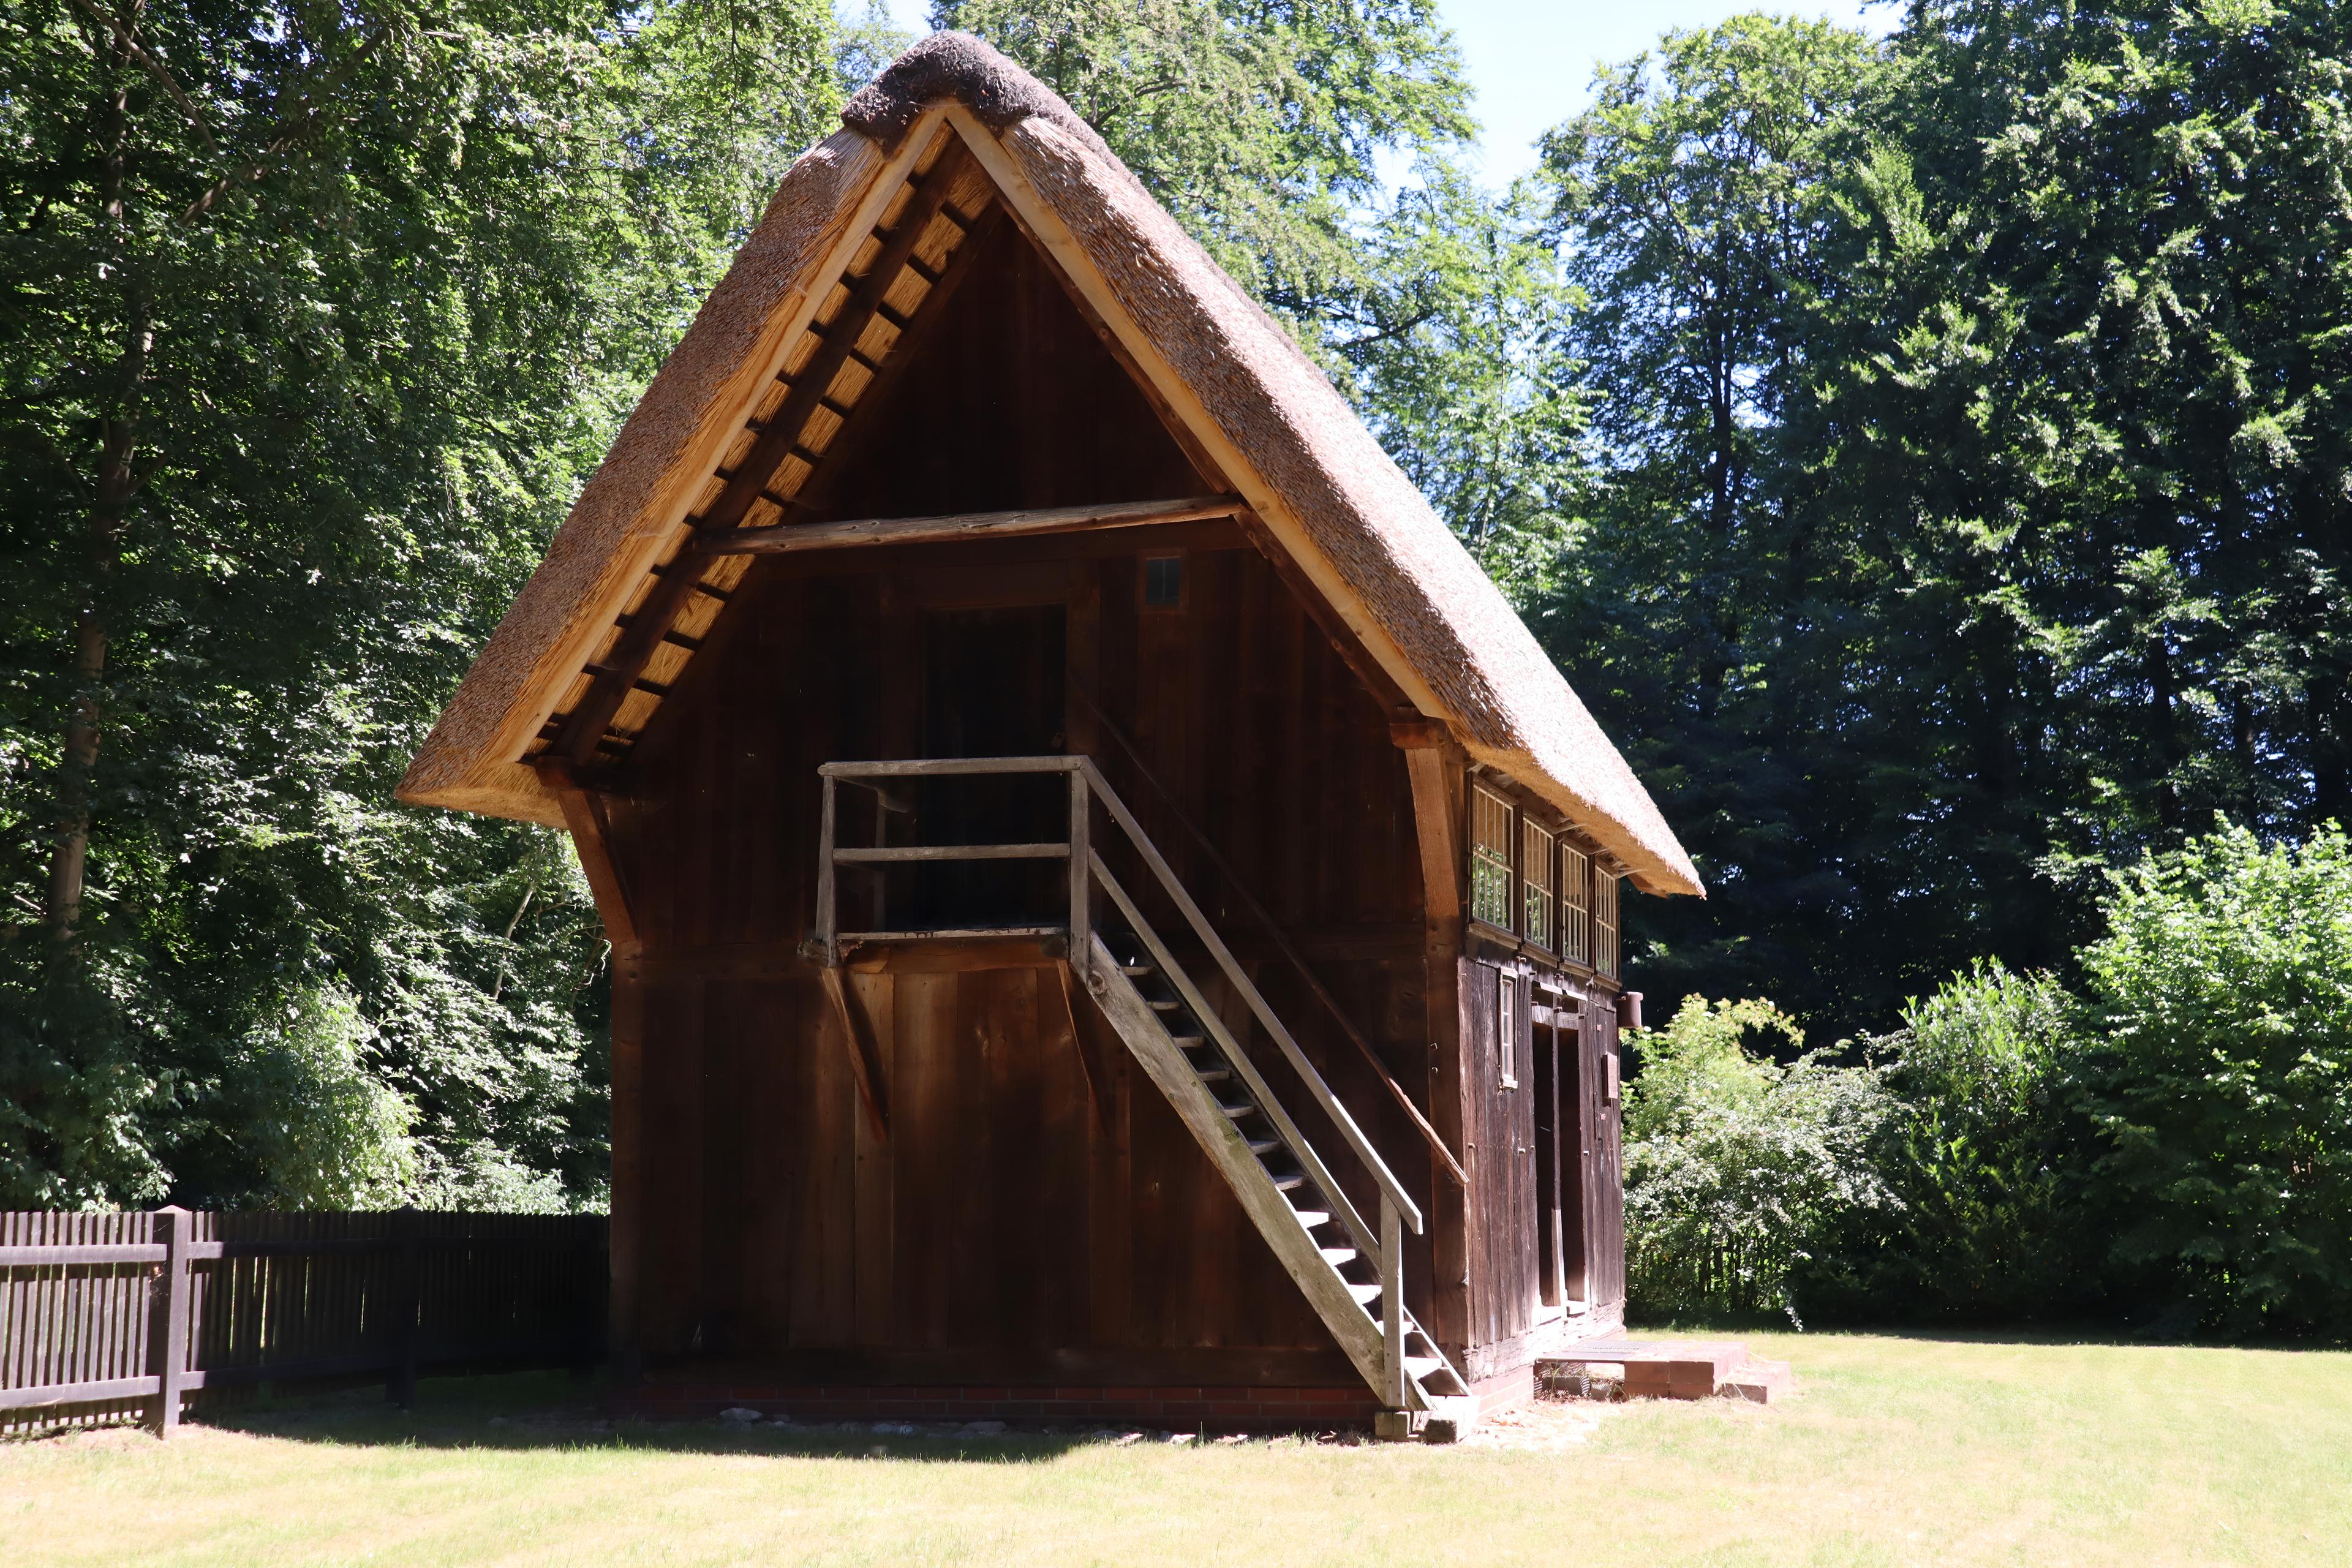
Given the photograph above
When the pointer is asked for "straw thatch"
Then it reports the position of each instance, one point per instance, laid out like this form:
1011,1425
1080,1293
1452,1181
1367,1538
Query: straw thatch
1356,526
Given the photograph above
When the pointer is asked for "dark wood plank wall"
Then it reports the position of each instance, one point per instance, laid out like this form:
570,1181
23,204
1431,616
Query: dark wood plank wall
1032,1196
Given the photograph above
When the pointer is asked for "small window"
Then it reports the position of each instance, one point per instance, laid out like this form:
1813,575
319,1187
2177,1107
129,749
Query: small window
1575,905
1604,922
1490,858
1507,1067
1536,868
1163,582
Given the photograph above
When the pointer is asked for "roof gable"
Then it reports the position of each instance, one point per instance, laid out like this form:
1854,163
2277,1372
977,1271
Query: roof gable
956,126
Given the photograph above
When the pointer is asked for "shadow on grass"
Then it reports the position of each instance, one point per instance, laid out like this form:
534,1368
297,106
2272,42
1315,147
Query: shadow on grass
550,1412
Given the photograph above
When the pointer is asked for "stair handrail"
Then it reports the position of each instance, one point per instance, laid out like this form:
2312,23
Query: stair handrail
1391,1190
1445,1156
1295,1140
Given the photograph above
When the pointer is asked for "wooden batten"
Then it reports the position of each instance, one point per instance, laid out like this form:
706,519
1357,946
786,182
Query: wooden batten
866,532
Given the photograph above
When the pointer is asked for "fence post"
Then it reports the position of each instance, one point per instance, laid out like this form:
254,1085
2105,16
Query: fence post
407,1301
167,1338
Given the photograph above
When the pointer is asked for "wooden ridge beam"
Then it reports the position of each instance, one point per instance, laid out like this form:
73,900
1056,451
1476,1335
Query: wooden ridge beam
851,532
637,642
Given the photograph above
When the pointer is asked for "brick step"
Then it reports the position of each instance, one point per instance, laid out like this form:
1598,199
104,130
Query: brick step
1672,1370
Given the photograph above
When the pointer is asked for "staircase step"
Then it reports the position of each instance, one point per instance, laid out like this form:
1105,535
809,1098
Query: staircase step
1262,1147
1216,1075
1365,1294
1290,1182
1188,1042
1168,1006
1313,1219
1236,1112
1417,1367
1340,1256
1137,970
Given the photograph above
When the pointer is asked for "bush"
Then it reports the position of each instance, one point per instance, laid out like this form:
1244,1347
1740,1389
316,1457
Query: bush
1737,1167
1983,1158
2218,1071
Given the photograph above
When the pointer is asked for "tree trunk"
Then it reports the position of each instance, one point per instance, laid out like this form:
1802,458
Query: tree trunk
109,506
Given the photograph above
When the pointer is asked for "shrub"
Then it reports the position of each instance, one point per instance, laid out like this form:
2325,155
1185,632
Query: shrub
1983,1158
1738,1167
2218,1070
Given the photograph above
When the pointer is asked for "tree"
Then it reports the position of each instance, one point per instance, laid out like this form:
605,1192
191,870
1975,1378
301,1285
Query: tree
314,318
1258,123
1965,519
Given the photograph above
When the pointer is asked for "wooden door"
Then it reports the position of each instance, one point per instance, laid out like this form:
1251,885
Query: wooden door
1605,1166
1559,1228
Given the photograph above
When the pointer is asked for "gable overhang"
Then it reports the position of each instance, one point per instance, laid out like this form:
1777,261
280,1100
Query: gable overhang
1280,439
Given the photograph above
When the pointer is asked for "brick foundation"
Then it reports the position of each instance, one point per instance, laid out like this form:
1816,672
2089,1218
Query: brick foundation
1179,1409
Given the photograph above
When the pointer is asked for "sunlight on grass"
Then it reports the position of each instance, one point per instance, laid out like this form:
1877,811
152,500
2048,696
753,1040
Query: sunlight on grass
1898,1451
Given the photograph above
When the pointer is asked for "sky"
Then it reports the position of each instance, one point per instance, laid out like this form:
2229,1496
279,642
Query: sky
1532,60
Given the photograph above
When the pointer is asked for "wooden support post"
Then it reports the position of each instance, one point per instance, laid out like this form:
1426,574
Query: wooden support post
1391,1307
407,1301
865,1063
828,917
628,1226
1081,866
167,1337
1433,766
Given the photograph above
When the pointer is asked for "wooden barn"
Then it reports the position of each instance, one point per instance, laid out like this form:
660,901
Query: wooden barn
1112,914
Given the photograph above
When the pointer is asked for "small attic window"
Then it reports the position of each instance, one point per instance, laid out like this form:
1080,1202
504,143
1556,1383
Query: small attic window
1163,582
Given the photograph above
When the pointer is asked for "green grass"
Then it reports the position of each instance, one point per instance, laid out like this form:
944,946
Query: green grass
1900,1450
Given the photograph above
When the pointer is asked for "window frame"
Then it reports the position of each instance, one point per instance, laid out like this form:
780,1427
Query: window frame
1539,884
1607,922
1487,864
1575,905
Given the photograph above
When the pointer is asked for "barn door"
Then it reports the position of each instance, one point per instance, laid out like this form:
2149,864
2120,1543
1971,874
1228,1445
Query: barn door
1559,1185
1604,1173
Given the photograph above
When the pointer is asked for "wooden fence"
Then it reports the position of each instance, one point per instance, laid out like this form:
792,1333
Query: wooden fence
105,1317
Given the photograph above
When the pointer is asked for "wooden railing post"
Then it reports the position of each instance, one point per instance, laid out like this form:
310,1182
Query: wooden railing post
1391,1306
167,1339
407,1293
1081,869
828,922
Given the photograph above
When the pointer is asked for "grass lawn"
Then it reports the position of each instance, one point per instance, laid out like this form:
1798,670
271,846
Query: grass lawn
1899,1449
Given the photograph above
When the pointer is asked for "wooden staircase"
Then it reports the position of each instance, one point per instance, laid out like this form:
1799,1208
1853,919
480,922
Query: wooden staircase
1350,1272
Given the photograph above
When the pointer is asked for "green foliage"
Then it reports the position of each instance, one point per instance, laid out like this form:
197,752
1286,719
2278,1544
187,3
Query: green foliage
1257,123
1965,517
2218,1071
314,320
1986,1159
1738,1168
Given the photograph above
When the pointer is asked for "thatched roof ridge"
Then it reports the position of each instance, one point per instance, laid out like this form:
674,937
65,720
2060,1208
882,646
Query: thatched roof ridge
1333,496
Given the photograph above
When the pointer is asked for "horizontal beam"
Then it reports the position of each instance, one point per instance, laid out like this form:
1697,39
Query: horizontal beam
943,767
965,933
900,852
791,538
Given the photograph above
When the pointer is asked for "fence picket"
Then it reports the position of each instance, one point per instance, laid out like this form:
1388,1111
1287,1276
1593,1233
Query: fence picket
291,1296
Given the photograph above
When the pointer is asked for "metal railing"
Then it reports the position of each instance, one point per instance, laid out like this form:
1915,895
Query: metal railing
1087,870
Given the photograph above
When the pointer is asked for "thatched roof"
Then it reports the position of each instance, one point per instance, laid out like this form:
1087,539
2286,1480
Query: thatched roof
1356,528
